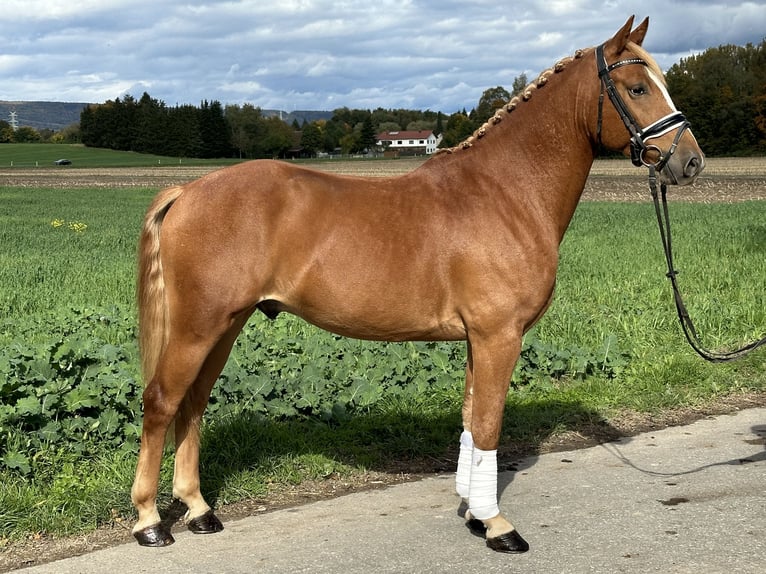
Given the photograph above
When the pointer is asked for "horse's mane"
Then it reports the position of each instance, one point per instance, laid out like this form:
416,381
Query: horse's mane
526,94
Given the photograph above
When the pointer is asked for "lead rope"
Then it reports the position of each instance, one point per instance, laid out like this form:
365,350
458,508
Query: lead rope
663,220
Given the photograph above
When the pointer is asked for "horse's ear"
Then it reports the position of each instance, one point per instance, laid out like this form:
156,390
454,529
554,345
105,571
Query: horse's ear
637,36
619,41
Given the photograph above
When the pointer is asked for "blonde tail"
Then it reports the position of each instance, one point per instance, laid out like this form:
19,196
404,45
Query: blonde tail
152,305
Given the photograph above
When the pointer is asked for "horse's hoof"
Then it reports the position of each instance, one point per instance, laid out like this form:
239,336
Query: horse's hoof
155,536
207,523
510,542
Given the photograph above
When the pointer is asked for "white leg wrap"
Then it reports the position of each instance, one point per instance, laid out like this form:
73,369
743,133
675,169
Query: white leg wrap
482,500
464,460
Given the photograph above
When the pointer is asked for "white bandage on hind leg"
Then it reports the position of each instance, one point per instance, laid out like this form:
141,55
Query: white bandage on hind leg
464,460
482,499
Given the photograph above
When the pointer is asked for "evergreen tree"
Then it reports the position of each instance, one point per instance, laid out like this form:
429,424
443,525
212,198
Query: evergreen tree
368,139
213,130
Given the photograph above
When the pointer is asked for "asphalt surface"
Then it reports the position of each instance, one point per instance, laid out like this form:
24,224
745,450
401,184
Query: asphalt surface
688,499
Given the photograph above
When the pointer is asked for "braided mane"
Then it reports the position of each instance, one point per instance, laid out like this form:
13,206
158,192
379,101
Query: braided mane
542,79
525,95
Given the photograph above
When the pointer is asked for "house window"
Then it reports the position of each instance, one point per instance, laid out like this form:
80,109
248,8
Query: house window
422,142
399,142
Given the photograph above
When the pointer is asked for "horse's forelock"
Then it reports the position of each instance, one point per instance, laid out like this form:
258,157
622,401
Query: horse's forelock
651,63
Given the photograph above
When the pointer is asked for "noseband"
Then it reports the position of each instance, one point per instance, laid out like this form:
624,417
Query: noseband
638,137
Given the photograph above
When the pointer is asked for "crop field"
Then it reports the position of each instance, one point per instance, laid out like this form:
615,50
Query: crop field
303,407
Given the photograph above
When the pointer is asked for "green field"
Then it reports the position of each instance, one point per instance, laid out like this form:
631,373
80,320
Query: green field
298,404
43,155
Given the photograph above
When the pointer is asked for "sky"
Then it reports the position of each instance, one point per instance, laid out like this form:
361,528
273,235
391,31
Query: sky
291,55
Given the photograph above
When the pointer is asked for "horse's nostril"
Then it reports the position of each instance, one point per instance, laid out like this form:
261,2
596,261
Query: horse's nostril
693,167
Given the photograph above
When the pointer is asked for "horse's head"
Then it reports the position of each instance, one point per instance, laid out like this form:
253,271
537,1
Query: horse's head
642,120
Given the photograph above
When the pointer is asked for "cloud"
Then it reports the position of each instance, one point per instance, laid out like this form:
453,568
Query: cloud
323,54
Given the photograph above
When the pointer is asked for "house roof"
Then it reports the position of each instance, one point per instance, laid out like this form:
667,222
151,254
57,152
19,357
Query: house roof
404,135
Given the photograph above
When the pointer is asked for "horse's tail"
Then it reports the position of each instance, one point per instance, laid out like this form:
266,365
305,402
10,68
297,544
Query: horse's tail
152,303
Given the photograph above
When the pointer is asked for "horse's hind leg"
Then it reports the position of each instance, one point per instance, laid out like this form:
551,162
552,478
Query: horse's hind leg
186,481
179,389
176,371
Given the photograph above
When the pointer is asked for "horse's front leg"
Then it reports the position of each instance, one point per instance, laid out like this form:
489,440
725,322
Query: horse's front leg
488,374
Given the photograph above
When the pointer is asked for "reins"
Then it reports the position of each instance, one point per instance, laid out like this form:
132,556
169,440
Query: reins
639,147
687,325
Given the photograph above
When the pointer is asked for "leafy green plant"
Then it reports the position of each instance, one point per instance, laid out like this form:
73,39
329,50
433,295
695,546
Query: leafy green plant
545,361
78,392
75,393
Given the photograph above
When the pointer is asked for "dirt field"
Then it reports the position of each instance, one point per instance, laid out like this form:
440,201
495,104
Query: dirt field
724,179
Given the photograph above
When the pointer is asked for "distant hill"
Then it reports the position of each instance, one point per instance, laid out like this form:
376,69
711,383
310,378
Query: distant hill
42,115
58,115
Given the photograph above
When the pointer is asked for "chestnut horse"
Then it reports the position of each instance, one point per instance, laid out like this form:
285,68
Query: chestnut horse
463,248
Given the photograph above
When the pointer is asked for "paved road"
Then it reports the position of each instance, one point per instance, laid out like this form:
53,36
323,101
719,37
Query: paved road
682,500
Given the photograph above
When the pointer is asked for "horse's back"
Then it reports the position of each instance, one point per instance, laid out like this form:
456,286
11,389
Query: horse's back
365,257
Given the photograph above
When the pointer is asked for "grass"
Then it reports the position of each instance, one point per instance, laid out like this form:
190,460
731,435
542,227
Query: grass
611,283
43,155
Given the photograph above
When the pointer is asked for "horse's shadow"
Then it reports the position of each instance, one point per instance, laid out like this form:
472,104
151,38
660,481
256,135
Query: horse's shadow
405,441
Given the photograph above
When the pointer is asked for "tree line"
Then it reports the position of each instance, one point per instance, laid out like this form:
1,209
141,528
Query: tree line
722,91
147,125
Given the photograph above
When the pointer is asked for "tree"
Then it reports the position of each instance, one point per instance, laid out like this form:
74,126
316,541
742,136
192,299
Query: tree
389,127
244,123
25,134
490,101
459,127
278,137
519,83
720,92
151,126
368,136
6,132
334,130
213,130
348,143
70,134
183,134
311,138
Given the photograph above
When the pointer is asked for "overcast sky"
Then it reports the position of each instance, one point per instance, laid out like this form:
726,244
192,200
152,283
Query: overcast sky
325,54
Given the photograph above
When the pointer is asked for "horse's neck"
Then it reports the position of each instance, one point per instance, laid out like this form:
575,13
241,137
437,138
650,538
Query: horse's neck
539,154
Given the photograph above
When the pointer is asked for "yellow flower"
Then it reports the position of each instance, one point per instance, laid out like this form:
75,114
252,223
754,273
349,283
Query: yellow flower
56,223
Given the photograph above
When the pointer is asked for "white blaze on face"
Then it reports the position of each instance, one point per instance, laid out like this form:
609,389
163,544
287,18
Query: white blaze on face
663,90
673,111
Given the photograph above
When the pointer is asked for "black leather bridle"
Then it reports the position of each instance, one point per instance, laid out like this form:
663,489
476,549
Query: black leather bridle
638,136
638,149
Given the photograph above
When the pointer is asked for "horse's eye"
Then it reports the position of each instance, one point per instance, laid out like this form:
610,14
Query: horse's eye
637,91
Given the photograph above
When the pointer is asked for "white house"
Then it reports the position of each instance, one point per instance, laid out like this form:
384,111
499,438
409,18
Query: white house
409,142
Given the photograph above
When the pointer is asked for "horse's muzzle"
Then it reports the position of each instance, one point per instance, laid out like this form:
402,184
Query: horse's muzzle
683,167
